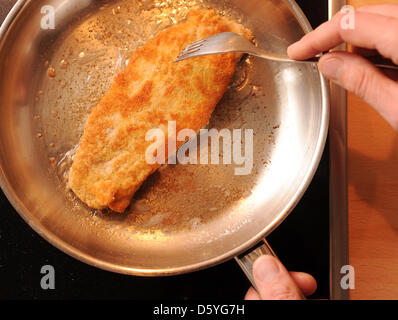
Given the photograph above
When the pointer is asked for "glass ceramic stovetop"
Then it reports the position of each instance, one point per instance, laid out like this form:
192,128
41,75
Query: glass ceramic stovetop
301,242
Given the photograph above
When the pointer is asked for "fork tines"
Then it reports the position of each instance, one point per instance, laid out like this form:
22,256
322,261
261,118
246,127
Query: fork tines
192,48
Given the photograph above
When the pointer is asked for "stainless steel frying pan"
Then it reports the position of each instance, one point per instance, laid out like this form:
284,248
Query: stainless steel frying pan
184,218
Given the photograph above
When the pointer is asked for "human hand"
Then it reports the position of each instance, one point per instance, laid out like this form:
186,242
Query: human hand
376,28
274,282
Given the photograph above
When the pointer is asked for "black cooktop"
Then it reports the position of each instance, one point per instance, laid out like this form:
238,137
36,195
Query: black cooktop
301,242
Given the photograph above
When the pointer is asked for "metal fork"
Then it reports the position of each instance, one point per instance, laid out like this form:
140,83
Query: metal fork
228,42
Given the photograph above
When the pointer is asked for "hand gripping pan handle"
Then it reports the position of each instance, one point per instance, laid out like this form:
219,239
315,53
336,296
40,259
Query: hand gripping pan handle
247,259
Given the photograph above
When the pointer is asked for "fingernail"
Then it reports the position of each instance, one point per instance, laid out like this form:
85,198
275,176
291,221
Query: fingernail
331,67
265,268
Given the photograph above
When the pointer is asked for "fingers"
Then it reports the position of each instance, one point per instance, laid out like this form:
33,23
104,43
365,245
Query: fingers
372,31
323,38
273,281
305,282
359,76
252,294
375,29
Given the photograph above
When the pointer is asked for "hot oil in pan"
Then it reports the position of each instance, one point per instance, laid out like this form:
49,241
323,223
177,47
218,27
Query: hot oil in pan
81,69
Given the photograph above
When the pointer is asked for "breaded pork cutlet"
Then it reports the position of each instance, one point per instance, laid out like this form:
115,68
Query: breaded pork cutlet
110,164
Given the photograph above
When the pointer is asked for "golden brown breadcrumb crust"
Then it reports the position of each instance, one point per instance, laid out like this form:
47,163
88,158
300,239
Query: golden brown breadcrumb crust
109,165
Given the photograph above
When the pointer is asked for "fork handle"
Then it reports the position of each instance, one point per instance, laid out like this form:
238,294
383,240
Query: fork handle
377,61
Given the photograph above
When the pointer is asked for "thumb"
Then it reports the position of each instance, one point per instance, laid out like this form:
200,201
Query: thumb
273,280
359,76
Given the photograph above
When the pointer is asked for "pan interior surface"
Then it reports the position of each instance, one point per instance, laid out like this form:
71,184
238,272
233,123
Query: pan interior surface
184,217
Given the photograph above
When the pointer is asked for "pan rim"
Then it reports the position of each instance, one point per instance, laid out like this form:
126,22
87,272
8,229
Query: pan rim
118,268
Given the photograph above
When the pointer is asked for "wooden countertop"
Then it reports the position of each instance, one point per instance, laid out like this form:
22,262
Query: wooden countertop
373,198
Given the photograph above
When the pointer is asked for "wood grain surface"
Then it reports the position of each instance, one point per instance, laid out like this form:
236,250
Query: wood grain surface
373,197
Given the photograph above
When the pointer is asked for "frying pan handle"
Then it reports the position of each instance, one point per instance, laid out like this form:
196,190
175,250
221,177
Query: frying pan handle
246,260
